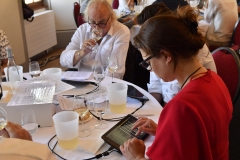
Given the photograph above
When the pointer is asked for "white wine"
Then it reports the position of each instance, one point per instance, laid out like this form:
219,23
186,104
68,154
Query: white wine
81,111
97,35
3,123
31,127
35,74
68,144
117,108
98,77
112,68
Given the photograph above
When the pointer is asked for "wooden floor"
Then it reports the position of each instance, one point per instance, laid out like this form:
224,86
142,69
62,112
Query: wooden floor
50,60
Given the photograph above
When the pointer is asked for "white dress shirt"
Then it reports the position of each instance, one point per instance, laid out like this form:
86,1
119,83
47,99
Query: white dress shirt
114,43
170,89
222,16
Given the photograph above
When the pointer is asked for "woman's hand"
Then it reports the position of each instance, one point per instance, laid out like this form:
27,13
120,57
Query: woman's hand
13,130
145,125
133,149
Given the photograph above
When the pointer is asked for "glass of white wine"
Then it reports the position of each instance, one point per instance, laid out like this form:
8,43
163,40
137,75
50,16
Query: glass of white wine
29,122
99,74
80,106
96,36
34,69
3,120
194,3
112,65
100,106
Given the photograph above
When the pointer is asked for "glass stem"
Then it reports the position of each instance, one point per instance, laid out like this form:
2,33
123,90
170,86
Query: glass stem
112,76
82,125
100,116
99,85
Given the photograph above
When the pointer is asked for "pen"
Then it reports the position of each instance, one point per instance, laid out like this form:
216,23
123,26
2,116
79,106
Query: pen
143,114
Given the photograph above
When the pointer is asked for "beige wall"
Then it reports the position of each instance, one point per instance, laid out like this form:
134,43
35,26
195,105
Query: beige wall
11,22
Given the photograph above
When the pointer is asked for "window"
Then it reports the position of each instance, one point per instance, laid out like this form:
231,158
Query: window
35,4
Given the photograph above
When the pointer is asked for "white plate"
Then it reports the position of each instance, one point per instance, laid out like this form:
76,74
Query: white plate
89,118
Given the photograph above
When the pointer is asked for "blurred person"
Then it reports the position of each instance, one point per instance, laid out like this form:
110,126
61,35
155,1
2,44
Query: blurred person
222,16
114,41
16,143
194,124
173,4
3,53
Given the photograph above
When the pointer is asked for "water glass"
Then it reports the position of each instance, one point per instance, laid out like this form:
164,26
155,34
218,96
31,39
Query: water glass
100,106
34,69
99,74
29,122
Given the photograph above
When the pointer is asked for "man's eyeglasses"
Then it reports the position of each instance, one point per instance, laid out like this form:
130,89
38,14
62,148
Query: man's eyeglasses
146,64
101,25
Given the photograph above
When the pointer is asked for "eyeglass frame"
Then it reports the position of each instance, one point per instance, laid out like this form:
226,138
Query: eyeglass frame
145,64
99,25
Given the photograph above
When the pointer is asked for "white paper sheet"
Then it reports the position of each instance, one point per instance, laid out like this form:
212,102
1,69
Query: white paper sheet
76,76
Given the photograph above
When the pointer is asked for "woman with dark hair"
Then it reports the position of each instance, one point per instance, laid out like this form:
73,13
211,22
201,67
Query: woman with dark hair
194,124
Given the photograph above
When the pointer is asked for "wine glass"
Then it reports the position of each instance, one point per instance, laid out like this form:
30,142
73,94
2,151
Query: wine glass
100,106
98,74
193,3
29,122
96,36
112,65
131,7
79,106
3,120
34,69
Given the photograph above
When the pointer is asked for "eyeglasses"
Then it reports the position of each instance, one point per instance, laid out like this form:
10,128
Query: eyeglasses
145,64
101,25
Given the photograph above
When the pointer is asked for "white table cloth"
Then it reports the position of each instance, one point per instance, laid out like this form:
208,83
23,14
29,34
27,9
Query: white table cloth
43,135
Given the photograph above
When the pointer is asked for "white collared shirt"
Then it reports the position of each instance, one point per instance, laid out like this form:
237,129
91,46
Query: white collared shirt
114,43
222,16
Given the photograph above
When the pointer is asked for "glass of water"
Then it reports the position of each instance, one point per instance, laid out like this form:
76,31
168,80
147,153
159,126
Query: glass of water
34,69
29,122
99,74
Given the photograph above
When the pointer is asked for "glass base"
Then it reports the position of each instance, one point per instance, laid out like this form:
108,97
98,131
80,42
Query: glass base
100,126
84,133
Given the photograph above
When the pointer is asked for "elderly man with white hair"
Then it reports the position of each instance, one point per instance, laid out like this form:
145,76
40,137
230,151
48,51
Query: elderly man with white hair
114,42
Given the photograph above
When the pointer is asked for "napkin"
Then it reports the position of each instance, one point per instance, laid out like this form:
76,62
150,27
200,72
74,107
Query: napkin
92,143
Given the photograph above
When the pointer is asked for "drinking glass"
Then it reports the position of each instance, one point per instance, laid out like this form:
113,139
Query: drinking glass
29,122
96,36
79,106
100,106
3,120
131,7
193,3
34,69
99,74
112,65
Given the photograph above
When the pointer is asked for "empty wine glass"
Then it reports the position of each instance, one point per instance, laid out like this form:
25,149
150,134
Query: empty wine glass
96,36
3,120
98,74
100,106
112,65
29,122
79,106
34,69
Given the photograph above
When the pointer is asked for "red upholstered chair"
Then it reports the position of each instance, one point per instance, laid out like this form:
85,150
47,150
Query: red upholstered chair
228,68
78,17
115,4
236,34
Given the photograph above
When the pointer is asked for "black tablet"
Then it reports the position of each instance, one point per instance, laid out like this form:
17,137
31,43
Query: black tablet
133,92
121,132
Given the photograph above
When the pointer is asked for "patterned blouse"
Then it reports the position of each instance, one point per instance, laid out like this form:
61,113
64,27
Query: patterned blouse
3,44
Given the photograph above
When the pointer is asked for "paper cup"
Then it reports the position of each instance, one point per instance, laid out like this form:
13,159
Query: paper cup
66,127
53,72
117,95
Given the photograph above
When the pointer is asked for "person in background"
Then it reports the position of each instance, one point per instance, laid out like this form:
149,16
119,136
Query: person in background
194,124
16,143
114,41
222,16
3,53
173,4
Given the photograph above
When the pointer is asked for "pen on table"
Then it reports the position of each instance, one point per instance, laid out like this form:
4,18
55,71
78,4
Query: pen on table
143,114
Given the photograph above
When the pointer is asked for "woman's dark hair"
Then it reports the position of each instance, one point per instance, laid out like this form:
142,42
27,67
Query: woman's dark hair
152,10
178,34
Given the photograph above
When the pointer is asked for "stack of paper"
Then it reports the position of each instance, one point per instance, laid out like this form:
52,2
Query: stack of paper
76,76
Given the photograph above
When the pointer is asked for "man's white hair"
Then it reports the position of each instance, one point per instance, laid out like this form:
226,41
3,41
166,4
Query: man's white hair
99,2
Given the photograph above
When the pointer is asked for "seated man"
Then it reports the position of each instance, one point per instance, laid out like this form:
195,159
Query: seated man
222,16
165,91
114,41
